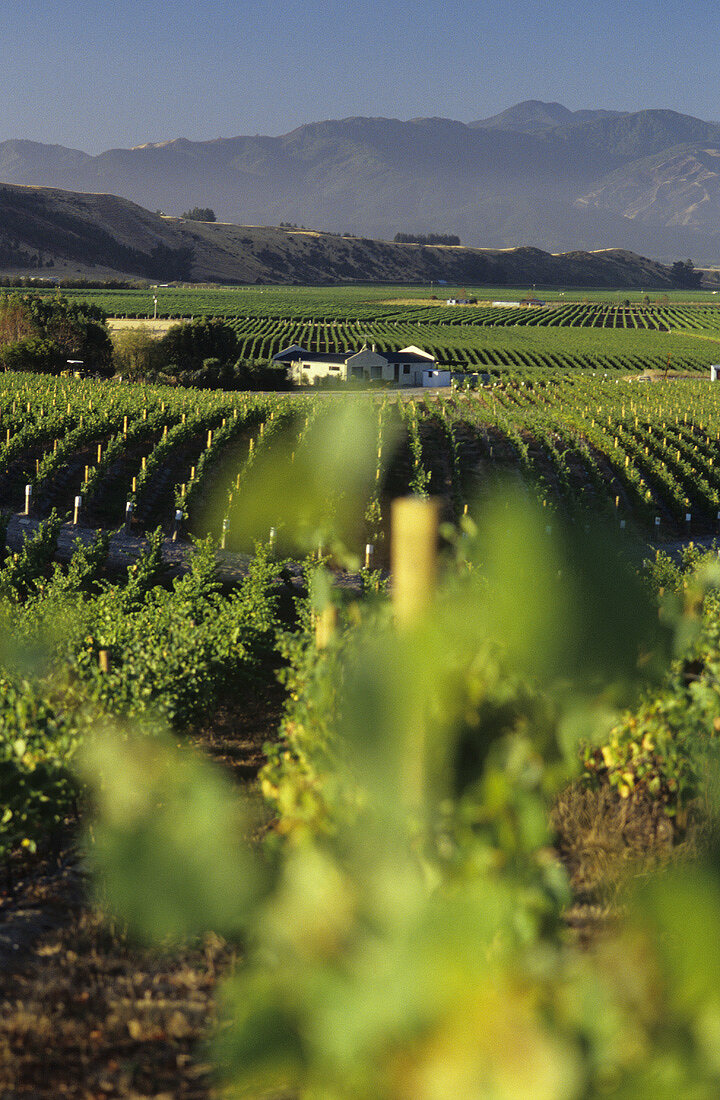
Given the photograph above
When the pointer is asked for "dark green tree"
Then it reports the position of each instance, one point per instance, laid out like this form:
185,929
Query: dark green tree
190,344
51,331
200,214
685,275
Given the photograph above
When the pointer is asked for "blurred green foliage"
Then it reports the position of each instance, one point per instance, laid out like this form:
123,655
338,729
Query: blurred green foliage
403,923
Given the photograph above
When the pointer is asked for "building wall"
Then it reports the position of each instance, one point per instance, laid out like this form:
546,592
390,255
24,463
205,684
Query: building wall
364,365
414,374
370,364
436,377
307,372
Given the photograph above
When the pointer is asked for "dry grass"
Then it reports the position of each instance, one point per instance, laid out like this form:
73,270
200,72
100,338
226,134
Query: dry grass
606,843
150,326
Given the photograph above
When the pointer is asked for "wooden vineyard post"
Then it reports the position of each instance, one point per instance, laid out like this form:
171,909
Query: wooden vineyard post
104,661
413,566
325,624
177,525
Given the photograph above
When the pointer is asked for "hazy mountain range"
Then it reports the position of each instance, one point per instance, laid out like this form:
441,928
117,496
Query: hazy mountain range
536,174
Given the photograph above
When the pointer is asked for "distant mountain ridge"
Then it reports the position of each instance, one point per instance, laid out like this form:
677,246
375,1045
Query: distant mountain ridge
537,174
533,116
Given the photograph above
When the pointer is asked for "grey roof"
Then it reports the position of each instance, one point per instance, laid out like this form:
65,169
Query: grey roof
288,354
404,357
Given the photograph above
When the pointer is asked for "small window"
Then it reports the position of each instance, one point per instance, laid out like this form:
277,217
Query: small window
406,369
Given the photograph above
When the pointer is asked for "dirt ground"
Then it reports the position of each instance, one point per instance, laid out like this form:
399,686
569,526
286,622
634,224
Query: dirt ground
85,1014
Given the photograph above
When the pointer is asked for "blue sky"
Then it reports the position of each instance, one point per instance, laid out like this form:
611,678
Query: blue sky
98,74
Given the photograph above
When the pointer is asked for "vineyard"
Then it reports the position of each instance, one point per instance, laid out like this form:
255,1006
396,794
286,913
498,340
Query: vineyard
494,349
460,768
646,455
480,736
342,302
564,335
455,729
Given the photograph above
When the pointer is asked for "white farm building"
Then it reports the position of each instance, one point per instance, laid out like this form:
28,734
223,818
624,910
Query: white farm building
409,367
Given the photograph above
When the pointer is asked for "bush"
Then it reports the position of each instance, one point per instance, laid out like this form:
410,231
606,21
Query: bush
191,343
34,354
135,353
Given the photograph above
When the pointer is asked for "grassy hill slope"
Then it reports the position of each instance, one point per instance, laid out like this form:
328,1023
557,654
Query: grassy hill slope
49,232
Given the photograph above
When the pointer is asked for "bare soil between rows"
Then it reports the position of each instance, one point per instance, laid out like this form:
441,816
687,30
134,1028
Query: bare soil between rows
83,1012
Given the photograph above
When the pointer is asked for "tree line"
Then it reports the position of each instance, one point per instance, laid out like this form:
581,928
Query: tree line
426,238
199,214
204,352
49,335
42,334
